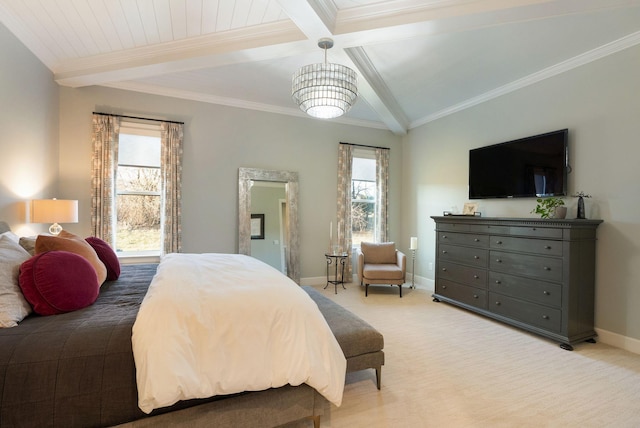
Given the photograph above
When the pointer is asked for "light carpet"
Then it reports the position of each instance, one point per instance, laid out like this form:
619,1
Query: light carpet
448,367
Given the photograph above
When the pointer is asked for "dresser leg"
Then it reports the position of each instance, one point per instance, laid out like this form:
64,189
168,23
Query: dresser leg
435,299
566,347
591,340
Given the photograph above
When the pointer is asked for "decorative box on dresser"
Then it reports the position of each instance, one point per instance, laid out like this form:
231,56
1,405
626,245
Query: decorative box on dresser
536,274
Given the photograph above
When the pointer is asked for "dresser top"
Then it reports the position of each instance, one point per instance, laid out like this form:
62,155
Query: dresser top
547,222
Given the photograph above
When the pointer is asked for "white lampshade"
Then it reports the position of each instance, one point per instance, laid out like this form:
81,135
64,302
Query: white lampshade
54,211
414,243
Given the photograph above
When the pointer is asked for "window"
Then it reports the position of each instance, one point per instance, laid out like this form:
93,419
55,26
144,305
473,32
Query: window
363,197
138,193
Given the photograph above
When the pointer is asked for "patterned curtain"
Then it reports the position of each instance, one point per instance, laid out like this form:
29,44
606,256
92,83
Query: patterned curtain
345,162
104,164
171,166
382,191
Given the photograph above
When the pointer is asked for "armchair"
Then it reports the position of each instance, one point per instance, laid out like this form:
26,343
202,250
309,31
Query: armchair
381,264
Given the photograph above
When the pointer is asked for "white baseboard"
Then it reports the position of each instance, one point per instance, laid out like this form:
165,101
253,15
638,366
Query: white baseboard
619,341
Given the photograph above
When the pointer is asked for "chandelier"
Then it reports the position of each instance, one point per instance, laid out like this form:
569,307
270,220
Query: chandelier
324,90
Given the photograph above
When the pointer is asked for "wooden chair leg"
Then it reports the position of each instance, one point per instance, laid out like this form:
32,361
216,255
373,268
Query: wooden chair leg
366,290
400,289
378,376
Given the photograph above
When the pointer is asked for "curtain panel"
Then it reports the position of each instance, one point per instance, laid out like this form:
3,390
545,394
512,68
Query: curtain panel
382,193
171,167
103,172
345,166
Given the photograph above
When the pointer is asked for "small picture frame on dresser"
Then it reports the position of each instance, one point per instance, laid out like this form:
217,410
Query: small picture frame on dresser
470,208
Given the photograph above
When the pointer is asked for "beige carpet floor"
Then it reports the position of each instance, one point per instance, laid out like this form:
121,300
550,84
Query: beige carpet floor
447,367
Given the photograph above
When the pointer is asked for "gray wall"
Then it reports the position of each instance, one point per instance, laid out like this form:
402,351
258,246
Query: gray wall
28,133
218,140
599,103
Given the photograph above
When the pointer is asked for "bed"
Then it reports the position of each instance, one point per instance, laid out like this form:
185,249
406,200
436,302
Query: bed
77,370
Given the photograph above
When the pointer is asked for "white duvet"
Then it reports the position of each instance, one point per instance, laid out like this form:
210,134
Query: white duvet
215,324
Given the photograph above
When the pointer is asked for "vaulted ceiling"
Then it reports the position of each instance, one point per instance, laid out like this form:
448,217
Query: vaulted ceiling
416,60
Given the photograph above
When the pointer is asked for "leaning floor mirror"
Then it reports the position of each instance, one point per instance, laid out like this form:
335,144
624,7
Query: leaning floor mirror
268,226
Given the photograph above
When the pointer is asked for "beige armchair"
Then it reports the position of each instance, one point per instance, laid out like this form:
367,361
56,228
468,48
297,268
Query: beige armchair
381,264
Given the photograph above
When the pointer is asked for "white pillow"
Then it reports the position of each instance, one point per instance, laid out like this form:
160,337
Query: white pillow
13,306
10,234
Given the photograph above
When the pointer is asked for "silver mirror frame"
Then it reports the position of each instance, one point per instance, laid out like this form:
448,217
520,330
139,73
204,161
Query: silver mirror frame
245,176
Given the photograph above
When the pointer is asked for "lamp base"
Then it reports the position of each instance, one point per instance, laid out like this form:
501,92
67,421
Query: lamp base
55,229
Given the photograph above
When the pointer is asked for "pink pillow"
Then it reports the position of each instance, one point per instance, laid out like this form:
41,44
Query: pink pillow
106,256
55,282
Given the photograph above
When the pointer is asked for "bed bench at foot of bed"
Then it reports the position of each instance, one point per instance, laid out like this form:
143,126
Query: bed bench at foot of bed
361,343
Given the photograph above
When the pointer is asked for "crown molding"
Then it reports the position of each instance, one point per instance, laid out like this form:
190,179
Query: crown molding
562,67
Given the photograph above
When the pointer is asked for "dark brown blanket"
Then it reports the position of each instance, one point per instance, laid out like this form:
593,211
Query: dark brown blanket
75,369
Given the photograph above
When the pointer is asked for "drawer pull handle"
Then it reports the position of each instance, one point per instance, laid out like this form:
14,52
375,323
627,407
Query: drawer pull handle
444,251
444,286
498,303
475,296
498,281
498,260
476,240
444,269
547,268
546,293
547,247
499,242
444,236
476,257
476,276
545,317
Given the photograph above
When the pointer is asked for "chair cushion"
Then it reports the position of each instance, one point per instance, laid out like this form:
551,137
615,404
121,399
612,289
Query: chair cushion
382,271
379,253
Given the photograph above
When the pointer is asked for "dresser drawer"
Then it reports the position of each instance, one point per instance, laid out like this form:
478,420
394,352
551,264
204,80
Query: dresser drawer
536,232
532,290
546,268
464,255
481,241
468,275
538,246
463,293
537,315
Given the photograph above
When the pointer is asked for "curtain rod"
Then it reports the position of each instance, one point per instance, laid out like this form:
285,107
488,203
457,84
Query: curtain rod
369,147
135,117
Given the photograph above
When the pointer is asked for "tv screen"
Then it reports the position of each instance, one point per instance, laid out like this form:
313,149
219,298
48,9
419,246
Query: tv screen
529,167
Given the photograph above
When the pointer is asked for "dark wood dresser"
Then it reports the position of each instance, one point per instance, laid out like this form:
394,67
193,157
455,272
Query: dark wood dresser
530,273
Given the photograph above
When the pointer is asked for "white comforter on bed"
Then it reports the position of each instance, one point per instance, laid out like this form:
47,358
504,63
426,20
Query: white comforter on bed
215,324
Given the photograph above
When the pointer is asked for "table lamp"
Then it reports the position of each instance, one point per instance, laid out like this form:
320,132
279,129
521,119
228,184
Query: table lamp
54,211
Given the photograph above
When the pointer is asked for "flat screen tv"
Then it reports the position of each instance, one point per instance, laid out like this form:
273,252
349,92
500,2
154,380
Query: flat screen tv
529,167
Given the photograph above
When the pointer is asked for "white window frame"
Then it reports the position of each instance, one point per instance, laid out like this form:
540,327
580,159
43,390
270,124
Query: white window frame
362,153
146,130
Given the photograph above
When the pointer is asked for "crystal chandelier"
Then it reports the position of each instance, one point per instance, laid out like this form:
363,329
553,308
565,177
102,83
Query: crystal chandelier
324,90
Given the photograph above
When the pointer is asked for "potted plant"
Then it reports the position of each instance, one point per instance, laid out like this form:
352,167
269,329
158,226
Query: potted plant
550,207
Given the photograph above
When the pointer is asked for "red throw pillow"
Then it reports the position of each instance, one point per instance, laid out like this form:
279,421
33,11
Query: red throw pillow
56,282
106,256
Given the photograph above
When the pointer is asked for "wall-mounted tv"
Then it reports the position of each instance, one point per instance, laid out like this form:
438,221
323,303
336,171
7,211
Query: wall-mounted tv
535,166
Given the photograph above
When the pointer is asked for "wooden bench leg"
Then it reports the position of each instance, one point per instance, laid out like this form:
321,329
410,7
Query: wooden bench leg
378,376
316,421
